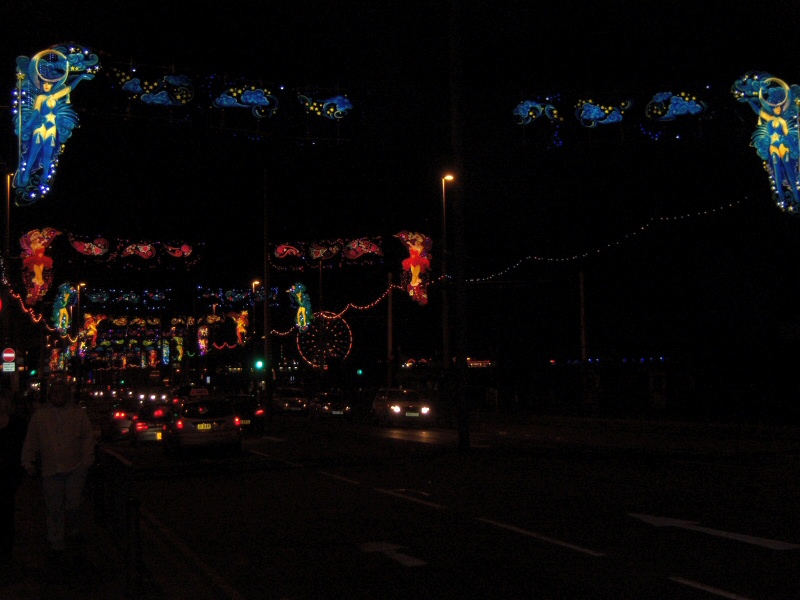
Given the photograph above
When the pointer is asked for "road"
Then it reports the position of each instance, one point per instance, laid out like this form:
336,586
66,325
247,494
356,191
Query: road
338,510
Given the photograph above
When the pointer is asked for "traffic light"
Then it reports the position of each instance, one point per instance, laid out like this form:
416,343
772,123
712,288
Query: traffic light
259,364
359,372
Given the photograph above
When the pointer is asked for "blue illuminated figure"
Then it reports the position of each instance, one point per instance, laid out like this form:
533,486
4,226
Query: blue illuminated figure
45,117
775,136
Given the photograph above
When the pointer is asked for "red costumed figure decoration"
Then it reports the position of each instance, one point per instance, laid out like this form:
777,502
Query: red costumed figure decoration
38,267
417,263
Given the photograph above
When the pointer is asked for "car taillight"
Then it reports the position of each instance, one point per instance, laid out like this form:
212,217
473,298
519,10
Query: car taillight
119,415
259,412
179,424
158,413
237,421
141,426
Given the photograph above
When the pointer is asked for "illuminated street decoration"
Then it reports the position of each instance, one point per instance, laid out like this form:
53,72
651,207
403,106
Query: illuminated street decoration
242,320
332,108
591,114
96,247
38,273
327,341
361,247
417,264
202,339
66,296
167,90
666,106
44,117
775,136
528,111
300,255
261,102
89,331
300,299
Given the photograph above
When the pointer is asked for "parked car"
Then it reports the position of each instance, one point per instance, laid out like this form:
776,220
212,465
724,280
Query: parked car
330,405
292,400
393,406
148,422
117,421
250,412
203,421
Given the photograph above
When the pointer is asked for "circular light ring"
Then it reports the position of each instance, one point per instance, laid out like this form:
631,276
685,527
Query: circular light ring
327,338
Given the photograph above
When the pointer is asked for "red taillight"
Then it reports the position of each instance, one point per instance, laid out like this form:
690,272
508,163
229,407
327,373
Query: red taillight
237,421
179,424
141,426
259,412
158,413
120,415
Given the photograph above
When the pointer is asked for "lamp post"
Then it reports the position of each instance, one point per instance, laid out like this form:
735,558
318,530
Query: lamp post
78,374
253,296
445,305
253,285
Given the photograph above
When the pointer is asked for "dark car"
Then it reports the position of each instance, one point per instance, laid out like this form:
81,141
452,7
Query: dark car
203,421
250,412
117,421
393,406
290,400
330,405
148,422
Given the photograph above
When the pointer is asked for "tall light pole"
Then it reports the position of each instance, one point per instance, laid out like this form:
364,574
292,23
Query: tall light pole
445,304
253,285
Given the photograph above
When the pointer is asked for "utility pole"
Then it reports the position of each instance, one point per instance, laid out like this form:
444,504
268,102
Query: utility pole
389,338
268,366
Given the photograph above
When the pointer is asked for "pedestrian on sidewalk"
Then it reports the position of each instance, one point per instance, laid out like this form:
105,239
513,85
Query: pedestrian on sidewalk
12,436
60,445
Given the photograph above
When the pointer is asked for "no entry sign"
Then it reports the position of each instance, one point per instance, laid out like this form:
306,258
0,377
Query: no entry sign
9,355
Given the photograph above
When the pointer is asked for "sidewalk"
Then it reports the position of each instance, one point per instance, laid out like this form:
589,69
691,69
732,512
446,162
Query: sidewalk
94,571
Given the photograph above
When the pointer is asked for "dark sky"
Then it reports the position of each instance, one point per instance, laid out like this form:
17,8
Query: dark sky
687,276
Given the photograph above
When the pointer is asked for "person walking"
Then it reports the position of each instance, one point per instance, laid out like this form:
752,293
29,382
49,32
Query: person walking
60,445
12,436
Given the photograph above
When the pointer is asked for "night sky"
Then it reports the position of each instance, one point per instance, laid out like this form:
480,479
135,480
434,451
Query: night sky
682,248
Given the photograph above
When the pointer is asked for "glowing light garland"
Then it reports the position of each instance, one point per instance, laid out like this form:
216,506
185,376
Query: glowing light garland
37,317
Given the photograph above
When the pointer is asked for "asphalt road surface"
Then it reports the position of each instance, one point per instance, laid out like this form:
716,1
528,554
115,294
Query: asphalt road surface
318,510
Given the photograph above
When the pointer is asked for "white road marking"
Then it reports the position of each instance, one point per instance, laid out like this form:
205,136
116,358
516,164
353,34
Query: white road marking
390,550
178,544
692,525
543,538
405,497
708,588
339,477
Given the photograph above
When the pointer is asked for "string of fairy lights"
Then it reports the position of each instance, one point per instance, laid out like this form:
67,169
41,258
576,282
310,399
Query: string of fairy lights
38,318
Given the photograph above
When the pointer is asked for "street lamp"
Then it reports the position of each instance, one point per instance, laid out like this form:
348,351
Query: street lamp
78,306
256,362
253,295
445,307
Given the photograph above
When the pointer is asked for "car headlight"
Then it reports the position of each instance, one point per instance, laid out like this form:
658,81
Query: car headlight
395,408
425,410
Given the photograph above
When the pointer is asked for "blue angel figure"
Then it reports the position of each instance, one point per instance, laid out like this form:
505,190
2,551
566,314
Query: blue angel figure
45,119
775,137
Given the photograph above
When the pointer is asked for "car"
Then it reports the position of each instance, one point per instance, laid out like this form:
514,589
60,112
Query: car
152,394
250,412
188,390
330,405
203,421
117,421
148,422
290,400
393,406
